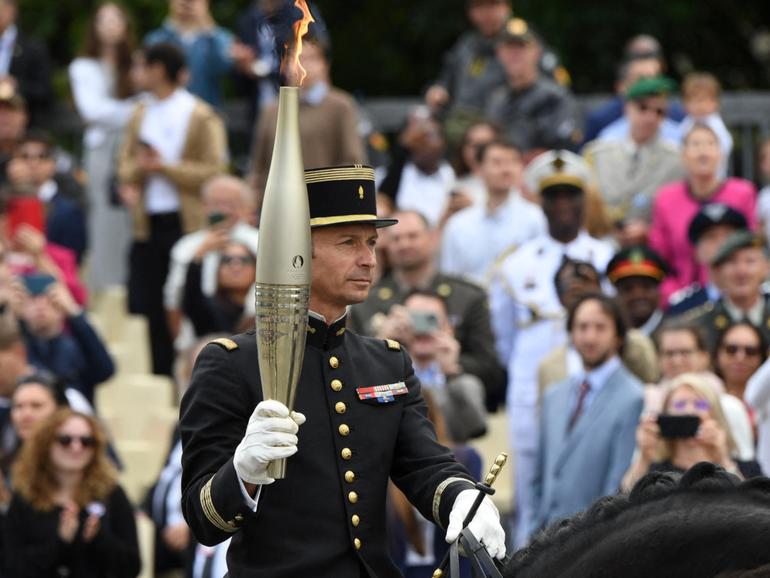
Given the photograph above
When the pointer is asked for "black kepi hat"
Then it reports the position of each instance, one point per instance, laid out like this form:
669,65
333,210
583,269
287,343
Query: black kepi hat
711,215
343,196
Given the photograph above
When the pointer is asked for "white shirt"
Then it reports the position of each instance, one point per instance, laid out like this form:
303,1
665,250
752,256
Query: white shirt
93,88
182,254
476,238
7,44
426,194
164,127
47,191
757,395
763,209
619,130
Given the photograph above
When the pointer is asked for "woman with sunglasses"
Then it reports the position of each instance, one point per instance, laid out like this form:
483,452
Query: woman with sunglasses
740,350
37,396
688,394
683,348
677,203
68,515
225,311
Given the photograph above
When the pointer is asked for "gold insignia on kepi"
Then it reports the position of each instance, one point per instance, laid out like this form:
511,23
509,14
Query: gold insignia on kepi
360,192
517,27
385,293
636,257
720,321
558,164
228,344
393,345
445,290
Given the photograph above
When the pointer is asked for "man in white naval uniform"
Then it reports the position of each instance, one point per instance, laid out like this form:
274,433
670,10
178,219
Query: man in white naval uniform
527,317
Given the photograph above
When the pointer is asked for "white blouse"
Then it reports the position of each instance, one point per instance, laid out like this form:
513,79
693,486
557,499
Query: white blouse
93,87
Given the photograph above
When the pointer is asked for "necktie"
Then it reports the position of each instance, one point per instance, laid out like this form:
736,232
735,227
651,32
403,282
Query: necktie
585,387
208,565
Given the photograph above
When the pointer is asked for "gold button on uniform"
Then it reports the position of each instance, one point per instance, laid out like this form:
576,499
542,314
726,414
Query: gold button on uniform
349,477
340,407
336,385
357,543
344,429
334,363
355,520
346,453
238,518
352,497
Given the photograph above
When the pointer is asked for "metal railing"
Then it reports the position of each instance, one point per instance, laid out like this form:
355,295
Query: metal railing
747,115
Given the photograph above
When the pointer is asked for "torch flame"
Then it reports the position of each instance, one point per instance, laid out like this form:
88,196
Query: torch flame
291,67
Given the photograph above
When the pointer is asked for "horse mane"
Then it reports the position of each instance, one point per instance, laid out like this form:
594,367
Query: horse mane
703,523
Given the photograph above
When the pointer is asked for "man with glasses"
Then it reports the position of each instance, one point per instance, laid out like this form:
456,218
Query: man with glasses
629,170
742,265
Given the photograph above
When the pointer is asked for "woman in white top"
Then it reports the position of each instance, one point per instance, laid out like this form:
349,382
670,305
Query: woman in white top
102,90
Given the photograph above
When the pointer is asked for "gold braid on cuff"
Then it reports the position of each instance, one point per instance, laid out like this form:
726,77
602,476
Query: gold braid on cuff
440,490
211,512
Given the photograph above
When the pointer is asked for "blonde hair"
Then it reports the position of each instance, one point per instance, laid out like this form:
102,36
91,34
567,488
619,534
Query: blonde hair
34,475
700,385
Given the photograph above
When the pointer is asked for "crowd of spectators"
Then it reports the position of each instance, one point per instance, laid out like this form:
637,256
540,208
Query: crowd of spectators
604,283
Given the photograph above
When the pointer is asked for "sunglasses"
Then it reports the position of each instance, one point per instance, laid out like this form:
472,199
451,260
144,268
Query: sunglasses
748,350
240,259
660,112
698,404
67,440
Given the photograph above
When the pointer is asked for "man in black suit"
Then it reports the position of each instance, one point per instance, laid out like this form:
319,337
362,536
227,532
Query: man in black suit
25,62
327,517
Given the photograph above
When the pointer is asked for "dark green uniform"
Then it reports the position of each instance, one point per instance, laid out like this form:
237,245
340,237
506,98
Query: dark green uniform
327,517
713,317
468,313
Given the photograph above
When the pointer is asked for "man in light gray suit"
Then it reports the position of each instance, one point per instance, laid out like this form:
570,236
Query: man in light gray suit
588,422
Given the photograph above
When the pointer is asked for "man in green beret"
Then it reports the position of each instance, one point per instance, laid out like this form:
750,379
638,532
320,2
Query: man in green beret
742,266
629,169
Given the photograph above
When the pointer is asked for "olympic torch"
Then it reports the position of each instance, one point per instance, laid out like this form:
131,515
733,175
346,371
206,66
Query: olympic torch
283,265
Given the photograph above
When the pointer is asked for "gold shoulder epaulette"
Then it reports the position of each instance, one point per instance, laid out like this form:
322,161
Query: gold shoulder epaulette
393,345
228,344
696,312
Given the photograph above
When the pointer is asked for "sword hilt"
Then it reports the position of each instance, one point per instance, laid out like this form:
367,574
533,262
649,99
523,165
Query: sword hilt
485,489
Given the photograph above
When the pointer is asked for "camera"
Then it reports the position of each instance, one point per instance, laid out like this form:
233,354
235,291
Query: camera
423,322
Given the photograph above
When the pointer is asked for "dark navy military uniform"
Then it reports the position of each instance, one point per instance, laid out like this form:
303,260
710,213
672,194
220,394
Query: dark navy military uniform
468,313
327,517
688,298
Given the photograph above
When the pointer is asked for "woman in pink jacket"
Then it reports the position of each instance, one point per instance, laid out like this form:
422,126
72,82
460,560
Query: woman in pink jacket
677,203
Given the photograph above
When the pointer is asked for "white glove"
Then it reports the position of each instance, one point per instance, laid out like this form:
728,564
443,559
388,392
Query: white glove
485,525
270,435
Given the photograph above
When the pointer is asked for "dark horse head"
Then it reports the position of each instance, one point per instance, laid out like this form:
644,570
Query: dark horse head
705,523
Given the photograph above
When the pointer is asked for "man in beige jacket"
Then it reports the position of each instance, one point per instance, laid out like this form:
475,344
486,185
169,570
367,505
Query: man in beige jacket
173,143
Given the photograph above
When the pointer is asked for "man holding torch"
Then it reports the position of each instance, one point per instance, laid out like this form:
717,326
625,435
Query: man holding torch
360,419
